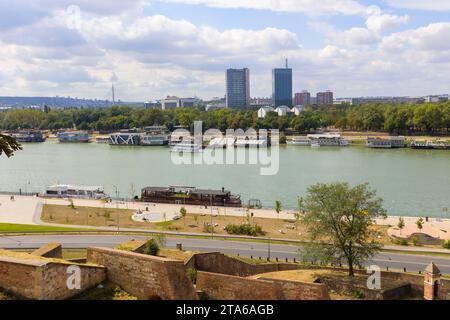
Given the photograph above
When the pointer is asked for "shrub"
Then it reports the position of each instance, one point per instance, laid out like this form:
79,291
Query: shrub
151,247
192,274
414,240
208,228
244,229
403,242
446,244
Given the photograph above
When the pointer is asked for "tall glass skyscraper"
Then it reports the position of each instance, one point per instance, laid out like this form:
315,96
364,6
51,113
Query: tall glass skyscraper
282,87
238,88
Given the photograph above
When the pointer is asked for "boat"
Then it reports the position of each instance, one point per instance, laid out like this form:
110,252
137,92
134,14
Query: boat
424,145
386,143
251,143
328,140
190,196
102,140
222,143
29,136
315,144
74,191
186,147
73,136
125,138
299,141
440,145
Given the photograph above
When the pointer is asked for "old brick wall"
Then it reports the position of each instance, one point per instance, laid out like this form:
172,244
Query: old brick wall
220,263
44,280
226,287
50,250
144,276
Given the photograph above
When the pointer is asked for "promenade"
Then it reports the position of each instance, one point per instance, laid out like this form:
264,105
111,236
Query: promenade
27,210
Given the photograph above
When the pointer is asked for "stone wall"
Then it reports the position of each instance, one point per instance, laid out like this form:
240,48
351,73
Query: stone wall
144,276
50,250
219,263
44,279
226,287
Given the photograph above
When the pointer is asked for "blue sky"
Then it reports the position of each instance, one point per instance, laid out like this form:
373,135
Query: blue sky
154,48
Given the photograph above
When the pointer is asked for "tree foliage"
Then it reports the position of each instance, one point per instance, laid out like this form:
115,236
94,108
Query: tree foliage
338,219
8,145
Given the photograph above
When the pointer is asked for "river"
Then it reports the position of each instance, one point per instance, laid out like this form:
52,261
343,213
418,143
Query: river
412,182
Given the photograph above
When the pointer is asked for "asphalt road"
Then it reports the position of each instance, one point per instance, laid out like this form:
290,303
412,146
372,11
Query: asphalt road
397,261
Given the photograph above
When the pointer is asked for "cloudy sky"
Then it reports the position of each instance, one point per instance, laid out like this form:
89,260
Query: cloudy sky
154,48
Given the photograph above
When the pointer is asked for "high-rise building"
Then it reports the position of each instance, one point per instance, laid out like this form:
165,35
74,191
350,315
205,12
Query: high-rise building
302,99
238,88
282,86
325,98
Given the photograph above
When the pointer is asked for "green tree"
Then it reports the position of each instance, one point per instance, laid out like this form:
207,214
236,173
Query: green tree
338,220
8,145
419,223
183,213
401,224
151,247
278,208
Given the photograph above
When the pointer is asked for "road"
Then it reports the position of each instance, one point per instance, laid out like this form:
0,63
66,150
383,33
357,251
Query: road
394,261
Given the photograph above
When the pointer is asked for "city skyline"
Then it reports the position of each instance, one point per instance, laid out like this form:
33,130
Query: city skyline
153,49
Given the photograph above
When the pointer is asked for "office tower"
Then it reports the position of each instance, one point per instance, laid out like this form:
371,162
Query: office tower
238,88
282,86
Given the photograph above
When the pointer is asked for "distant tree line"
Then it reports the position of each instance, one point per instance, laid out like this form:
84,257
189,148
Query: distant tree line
392,118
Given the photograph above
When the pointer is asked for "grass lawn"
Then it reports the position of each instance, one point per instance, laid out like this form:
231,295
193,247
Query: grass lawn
18,228
193,223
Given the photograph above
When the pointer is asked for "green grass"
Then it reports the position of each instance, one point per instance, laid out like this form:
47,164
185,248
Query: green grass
18,228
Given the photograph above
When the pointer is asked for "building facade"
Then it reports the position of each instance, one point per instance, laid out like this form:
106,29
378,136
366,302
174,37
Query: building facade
175,102
325,98
238,88
302,99
282,87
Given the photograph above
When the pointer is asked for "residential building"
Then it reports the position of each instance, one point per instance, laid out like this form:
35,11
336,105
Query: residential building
238,88
215,106
302,99
325,98
175,102
436,98
152,105
260,102
263,111
282,87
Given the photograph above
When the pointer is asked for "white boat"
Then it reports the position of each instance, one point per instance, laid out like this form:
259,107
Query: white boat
299,141
186,147
328,140
315,144
73,191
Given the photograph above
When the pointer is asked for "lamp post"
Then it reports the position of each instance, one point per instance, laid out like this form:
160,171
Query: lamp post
268,248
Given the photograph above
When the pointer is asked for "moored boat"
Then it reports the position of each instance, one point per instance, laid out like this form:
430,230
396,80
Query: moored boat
29,136
73,136
73,191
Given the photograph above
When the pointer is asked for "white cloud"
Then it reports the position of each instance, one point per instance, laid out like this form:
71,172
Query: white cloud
313,7
381,22
431,5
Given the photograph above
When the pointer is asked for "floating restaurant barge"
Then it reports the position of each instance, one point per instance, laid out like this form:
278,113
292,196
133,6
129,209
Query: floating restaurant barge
29,136
72,191
386,143
148,136
190,196
73,136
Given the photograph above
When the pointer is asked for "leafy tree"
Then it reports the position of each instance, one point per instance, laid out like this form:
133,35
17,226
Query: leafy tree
151,248
339,219
278,208
8,145
183,213
419,223
401,224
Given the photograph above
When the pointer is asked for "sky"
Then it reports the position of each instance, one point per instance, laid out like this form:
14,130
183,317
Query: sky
151,49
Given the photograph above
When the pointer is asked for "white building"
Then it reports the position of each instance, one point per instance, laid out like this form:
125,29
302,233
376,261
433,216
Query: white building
215,106
263,111
298,109
175,102
438,98
282,111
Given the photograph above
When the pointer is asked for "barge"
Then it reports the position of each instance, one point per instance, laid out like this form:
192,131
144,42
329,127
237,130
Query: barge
73,136
386,143
190,196
28,136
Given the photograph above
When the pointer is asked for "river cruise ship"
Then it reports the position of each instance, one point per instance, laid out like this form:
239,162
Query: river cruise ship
190,196
299,141
328,140
73,136
73,191
29,136
386,143
186,147
423,145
